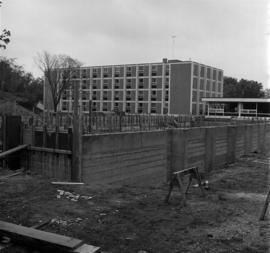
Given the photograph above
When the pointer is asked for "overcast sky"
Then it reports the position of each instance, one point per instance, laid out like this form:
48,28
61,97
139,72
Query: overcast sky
229,34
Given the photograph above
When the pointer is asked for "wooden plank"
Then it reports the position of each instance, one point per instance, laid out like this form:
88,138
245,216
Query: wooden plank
67,183
37,238
13,150
18,172
85,248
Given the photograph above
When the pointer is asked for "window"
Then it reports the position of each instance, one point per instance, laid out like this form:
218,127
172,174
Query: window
167,95
85,95
201,84
95,73
105,70
85,106
208,73
128,107
219,87
116,85
213,86
208,85
94,84
65,95
201,95
140,108
154,70
105,84
117,71
128,95
219,75
84,73
141,70
116,95
153,108
154,83
153,95
140,95
128,84
202,71
214,74
167,83
116,106
64,106
195,70
194,96
195,83
140,83
193,108
84,85
128,71
105,95
105,107
94,96
167,72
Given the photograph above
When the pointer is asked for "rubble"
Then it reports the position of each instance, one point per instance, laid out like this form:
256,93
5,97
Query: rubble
71,196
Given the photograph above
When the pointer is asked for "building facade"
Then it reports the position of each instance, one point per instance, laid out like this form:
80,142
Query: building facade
168,87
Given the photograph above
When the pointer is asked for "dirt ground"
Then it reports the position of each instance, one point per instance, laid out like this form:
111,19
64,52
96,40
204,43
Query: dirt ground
133,219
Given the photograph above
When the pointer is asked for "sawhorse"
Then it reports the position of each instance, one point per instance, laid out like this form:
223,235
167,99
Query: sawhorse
176,179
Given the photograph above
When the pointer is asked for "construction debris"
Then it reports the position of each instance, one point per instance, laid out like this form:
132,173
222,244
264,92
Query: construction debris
71,196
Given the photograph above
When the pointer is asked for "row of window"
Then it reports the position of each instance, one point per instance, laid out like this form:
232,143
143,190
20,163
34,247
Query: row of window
156,70
130,84
205,72
130,107
85,95
216,86
198,95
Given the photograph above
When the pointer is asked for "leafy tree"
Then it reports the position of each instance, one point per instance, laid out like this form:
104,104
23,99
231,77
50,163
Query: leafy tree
58,71
242,89
15,80
4,36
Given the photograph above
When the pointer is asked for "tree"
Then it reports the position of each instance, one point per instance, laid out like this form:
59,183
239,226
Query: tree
242,89
4,36
58,71
22,85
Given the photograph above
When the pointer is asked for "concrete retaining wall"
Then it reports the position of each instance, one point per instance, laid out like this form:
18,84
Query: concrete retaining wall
124,157
141,156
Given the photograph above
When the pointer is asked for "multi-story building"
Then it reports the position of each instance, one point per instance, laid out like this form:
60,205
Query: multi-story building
168,87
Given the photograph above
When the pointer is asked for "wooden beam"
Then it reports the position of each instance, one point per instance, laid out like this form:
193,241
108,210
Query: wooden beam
35,238
13,150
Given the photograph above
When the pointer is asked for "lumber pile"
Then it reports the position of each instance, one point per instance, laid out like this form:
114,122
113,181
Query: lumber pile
37,239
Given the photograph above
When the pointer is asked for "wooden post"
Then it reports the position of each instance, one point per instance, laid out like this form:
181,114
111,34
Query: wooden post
265,206
77,138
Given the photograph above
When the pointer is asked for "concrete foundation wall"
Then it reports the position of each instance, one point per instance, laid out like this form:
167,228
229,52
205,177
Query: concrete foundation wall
137,157
142,157
124,157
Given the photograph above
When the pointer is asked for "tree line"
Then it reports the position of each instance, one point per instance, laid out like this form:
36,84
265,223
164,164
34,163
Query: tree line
15,80
232,88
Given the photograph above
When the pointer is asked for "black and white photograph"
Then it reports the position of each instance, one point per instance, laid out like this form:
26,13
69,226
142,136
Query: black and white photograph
134,126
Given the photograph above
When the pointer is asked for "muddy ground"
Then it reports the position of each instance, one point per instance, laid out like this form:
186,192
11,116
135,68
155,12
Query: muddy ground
130,219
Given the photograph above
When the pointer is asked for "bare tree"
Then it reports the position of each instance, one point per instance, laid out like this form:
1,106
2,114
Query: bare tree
58,71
